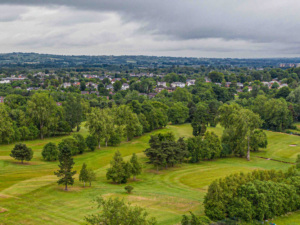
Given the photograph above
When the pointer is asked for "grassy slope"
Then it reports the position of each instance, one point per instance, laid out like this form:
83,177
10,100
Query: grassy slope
31,196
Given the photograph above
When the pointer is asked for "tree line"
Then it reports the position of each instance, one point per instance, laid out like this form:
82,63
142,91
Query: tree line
257,195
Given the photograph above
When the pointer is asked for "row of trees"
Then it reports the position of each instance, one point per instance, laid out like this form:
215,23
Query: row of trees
258,195
78,144
164,151
23,119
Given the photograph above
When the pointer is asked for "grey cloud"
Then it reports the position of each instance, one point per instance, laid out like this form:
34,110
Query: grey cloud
266,27
252,20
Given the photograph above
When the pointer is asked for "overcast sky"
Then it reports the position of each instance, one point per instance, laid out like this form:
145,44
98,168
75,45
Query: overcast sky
196,28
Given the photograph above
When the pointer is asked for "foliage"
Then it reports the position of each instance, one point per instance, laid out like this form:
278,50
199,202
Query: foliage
80,142
66,163
73,110
42,109
129,189
118,171
194,220
178,113
21,152
83,175
50,152
256,195
258,140
116,211
91,142
136,166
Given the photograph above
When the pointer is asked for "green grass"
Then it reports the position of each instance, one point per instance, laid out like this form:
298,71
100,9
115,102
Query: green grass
31,195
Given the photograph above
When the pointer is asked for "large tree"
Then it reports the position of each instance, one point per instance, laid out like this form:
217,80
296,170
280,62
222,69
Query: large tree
136,166
66,163
21,152
200,120
41,108
73,110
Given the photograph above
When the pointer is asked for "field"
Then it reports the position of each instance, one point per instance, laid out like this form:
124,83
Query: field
29,193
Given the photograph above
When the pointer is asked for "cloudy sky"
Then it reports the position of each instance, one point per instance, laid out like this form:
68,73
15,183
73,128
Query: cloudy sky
196,28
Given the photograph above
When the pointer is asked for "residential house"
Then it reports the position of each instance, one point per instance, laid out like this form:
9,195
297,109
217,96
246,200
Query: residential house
283,85
58,103
159,89
94,92
207,80
227,84
115,79
178,84
109,87
1,99
84,92
152,95
125,86
190,82
91,84
164,84
5,82
170,89
239,85
66,85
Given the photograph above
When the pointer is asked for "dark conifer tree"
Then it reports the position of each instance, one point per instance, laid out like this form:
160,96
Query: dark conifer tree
65,167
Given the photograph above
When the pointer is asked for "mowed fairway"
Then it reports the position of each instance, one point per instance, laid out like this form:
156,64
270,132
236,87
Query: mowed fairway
29,193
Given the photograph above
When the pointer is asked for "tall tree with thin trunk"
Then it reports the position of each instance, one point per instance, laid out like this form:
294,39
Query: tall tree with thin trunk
83,176
65,167
136,166
246,122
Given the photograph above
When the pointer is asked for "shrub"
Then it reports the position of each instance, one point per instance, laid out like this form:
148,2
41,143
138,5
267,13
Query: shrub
129,189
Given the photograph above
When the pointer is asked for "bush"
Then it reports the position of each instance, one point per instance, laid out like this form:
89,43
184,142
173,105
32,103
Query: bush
21,152
50,152
129,189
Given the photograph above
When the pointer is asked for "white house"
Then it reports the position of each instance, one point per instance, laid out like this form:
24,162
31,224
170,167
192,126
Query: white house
5,82
164,84
178,84
190,82
125,86
66,85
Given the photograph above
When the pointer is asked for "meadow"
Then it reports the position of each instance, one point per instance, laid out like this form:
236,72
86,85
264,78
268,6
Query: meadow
29,193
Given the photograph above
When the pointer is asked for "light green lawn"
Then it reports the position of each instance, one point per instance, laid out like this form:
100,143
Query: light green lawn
30,194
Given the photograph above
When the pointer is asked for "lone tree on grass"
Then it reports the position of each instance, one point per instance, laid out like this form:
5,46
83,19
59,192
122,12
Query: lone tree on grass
91,176
21,152
136,166
129,189
65,167
50,152
83,176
